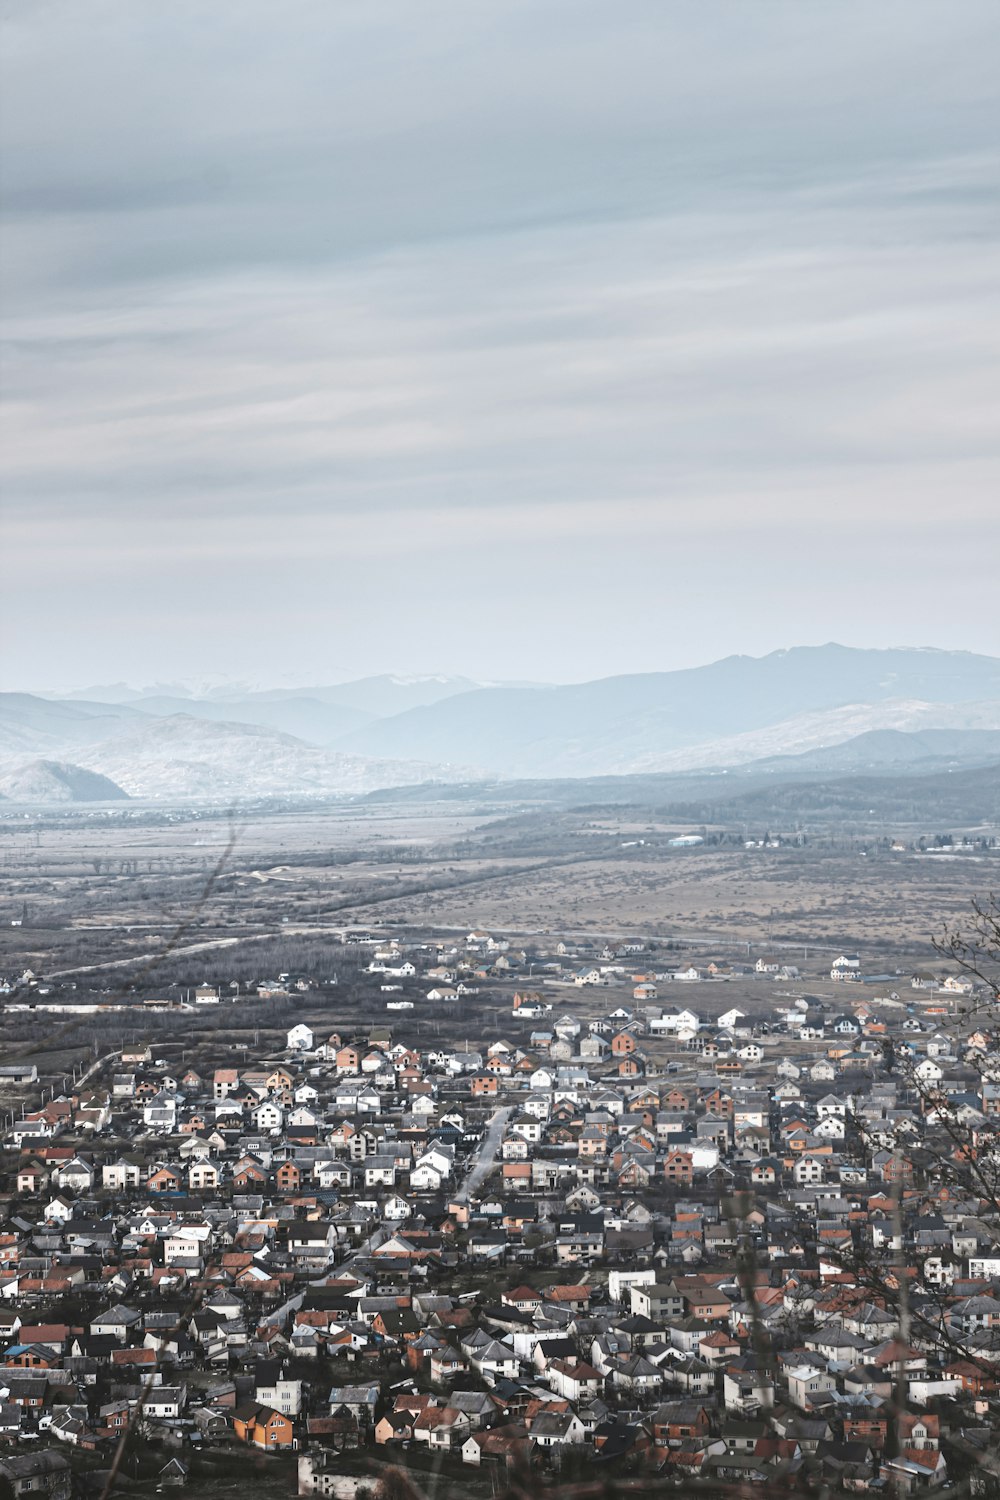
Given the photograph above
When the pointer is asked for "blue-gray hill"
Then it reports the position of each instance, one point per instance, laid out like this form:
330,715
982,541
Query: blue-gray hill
622,724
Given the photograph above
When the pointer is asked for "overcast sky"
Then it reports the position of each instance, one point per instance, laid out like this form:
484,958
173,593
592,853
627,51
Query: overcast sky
539,339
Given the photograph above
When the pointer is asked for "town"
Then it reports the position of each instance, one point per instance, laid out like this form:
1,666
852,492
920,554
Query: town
499,750
699,1218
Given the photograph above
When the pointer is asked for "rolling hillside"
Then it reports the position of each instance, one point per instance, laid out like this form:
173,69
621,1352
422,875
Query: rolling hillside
825,710
675,720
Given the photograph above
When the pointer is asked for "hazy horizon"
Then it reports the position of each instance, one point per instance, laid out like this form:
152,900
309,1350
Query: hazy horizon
537,342
220,684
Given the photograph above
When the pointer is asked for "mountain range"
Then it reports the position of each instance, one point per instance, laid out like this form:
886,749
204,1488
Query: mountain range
847,709
733,711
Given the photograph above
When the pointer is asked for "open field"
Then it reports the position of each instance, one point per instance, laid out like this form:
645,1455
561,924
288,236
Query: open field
101,898
118,911
797,897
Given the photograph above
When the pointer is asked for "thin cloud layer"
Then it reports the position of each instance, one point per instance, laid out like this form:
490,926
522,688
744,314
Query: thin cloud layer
635,335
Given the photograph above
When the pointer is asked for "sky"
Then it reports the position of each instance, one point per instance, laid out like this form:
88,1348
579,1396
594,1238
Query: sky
540,339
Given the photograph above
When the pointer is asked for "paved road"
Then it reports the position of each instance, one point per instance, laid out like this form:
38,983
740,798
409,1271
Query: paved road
478,1172
152,958
95,1067
483,1164
308,929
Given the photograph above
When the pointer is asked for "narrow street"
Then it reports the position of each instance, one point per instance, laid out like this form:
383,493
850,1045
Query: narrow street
483,1164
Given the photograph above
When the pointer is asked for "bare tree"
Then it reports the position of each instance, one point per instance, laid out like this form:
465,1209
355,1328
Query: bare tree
975,946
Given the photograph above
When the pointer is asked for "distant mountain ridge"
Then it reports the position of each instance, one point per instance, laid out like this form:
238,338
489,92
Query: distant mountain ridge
308,719
823,732
893,749
29,723
368,697
181,758
847,708
321,715
641,722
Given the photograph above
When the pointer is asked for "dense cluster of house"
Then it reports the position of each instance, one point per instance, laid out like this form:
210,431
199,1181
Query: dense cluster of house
658,1239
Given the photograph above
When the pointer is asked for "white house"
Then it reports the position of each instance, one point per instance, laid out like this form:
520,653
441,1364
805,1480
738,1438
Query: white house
806,1382
268,1116
186,1241
165,1401
118,1176
75,1176
282,1395
425,1178
808,1169
832,1104
674,1021
160,1112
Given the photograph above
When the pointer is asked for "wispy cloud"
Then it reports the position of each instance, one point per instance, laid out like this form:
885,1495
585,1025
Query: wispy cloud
524,288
